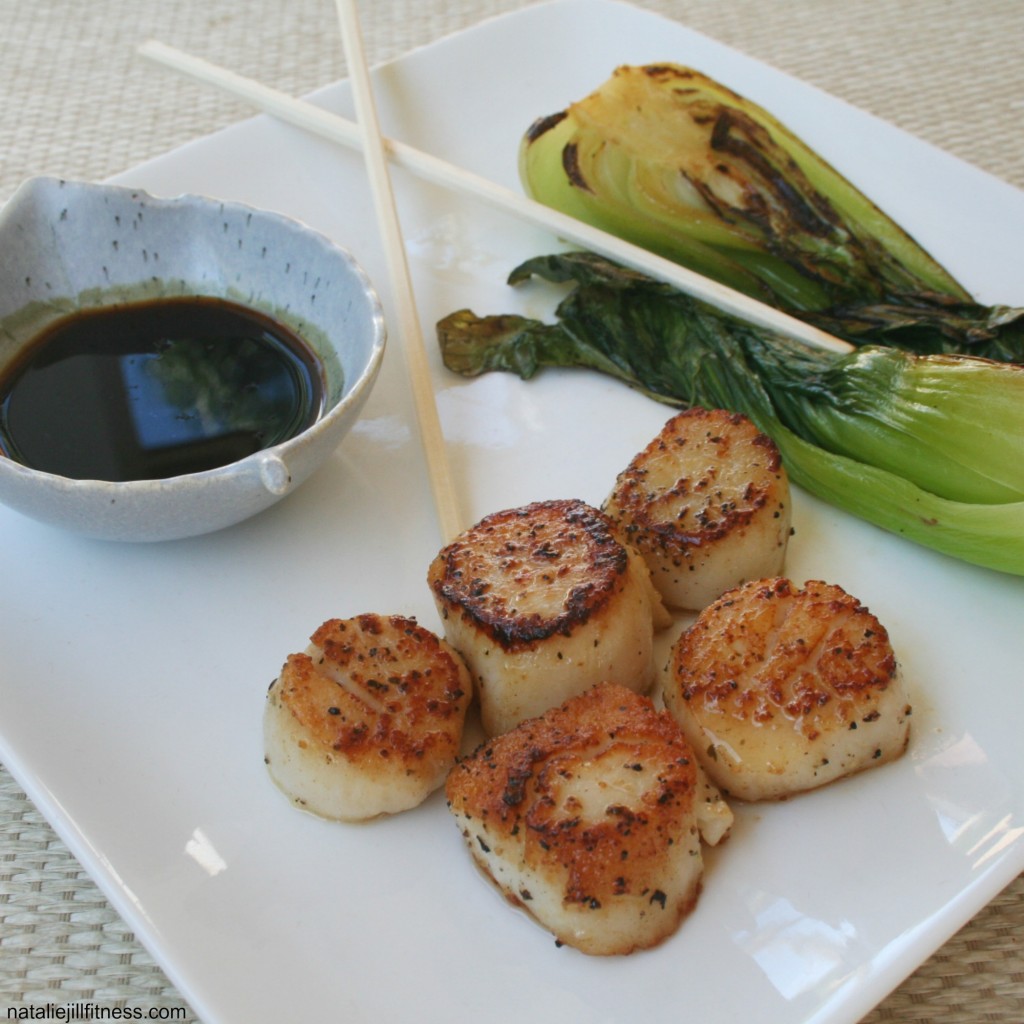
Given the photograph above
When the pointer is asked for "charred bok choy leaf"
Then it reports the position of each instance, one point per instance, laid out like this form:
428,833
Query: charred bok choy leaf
929,447
673,161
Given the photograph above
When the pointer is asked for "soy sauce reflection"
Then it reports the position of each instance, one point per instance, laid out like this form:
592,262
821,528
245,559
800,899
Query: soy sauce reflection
157,389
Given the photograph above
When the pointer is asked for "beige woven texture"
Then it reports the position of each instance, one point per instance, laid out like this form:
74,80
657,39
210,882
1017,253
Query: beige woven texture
76,101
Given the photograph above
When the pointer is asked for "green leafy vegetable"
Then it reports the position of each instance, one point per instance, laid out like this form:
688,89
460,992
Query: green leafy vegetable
929,447
673,161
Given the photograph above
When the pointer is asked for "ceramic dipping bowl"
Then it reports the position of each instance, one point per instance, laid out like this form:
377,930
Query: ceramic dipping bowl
67,246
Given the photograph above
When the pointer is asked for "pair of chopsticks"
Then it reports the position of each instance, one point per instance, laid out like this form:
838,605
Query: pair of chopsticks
377,150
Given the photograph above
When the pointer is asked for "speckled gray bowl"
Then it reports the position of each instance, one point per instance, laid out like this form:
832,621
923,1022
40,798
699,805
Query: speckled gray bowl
66,246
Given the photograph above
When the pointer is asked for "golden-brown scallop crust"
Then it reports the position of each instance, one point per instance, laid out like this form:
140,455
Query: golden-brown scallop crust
530,793
707,503
700,512
824,645
559,545
781,689
383,710
368,720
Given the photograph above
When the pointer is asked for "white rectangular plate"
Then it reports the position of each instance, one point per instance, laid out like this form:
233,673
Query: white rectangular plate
134,675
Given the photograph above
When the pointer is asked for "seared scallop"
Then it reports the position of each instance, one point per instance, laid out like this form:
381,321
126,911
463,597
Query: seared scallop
585,817
707,505
781,689
368,720
543,602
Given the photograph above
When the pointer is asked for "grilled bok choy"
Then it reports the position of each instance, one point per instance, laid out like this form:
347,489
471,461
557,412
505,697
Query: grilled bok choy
930,447
673,161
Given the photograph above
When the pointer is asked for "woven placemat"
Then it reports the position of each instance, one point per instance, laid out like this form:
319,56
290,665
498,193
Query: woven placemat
76,101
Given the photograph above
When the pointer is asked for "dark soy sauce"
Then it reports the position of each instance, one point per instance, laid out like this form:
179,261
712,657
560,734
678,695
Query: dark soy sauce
156,389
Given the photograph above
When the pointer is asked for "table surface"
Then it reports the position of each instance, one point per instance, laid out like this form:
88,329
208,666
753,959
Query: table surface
76,101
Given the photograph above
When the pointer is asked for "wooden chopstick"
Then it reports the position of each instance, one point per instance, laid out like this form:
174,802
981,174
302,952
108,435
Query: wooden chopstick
338,129
442,487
